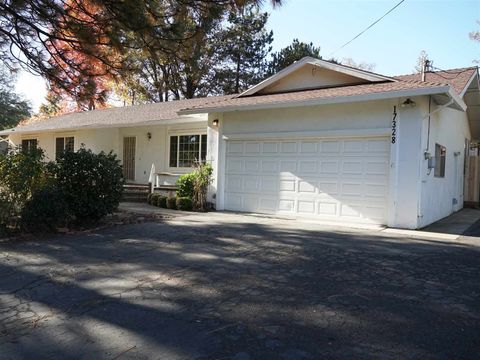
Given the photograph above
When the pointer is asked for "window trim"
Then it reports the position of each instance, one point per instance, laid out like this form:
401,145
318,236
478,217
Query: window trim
64,142
439,162
177,134
30,139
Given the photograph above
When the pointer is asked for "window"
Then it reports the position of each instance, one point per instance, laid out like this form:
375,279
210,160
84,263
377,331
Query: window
29,144
440,156
64,144
187,150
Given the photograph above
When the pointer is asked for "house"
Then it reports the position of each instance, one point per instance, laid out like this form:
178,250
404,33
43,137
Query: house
317,140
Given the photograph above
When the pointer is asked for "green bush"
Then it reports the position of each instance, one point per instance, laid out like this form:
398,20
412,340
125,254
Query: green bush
92,183
185,185
154,198
203,178
149,198
21,174
47,210
162,202
171,203
184,203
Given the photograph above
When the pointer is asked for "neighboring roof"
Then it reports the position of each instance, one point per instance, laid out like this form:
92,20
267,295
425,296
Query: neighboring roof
126,116
347,70
459,79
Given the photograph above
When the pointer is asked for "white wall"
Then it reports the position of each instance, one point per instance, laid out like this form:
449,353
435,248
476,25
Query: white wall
339,120
449,128
154,151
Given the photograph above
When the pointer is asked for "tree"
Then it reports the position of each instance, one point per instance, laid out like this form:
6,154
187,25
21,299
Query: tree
242,48
32,29
13,108
362,65
288,55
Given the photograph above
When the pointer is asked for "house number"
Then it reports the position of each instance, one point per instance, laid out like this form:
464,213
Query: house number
394,125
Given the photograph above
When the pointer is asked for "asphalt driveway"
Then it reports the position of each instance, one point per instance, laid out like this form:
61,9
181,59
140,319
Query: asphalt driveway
238,287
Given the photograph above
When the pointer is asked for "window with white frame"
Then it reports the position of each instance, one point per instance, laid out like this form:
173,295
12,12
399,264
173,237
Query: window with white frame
29,144
187,150
440,159
63,144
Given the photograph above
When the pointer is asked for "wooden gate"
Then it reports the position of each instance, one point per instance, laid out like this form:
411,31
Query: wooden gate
129,145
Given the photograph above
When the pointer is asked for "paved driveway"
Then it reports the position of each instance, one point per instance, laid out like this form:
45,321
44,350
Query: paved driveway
238,287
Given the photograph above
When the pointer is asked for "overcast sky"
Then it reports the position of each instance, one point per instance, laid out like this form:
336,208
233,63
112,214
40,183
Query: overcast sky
440,27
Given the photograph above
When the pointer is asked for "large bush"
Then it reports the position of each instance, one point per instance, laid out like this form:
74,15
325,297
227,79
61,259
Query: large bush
22,173
203,178
185,185
46,210
92,183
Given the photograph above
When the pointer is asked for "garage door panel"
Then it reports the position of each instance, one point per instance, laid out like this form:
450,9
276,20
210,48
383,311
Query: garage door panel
235,147
308,147
288,147
269,166
307,166
307,186
270,147
234,165
288,166
234,183
334,179
253,148
252,166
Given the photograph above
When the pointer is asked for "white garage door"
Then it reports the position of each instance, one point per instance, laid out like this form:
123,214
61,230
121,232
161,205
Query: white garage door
334,179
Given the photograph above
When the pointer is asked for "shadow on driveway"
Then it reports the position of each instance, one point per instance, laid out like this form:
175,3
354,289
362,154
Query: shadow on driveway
252,289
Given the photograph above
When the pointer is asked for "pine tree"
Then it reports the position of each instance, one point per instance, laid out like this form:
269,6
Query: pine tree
288,55
242,48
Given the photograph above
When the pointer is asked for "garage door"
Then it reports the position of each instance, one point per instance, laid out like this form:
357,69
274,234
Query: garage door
334,179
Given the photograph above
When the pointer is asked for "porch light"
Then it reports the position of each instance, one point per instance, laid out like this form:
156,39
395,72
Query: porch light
149,136
215,122
409,103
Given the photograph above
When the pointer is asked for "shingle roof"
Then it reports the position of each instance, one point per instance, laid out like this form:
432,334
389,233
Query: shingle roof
117,116
457,79
173,110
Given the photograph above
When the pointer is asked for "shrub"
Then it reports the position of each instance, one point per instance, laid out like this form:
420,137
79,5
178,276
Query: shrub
153,198
185,185
45,211
92,183
21,174
162,202
149,198
184,203
203,178
171,203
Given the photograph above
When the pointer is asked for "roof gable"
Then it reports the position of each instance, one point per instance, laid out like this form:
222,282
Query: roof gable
311,73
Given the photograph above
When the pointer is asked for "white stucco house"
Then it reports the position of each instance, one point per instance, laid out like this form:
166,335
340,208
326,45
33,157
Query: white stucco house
317,140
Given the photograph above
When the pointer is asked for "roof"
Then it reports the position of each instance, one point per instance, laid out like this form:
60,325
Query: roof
457,78
452,83
126,116
405,86
340,68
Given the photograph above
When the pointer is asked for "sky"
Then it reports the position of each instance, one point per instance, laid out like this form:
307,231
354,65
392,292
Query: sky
440,27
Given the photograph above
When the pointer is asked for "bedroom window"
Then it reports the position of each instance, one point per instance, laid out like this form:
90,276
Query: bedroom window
440,157
187,150
63,144
29,144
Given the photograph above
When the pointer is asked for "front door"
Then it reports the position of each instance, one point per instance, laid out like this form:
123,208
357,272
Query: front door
129,145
